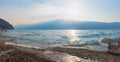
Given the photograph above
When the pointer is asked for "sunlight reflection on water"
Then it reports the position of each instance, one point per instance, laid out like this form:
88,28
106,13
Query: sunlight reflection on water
49,38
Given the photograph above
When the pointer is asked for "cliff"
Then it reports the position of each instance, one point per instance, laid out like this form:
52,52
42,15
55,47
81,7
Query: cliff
5,25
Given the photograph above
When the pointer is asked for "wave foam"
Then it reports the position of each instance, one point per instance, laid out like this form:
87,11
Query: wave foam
53,55
28,46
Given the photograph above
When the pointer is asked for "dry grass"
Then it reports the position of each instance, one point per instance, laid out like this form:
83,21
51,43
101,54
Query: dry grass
4,47
20,56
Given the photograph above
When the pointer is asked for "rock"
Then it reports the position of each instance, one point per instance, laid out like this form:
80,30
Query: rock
115,49
5,25
107,40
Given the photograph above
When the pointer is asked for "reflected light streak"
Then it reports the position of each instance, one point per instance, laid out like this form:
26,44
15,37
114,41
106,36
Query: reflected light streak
72,35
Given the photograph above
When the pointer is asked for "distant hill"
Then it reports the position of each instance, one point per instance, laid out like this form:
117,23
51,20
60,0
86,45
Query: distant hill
5,25
59,24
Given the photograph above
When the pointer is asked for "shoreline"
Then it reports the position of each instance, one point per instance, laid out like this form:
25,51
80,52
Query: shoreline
56,54
18,55
52,56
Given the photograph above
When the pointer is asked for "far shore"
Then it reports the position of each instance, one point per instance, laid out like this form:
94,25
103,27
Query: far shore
14,53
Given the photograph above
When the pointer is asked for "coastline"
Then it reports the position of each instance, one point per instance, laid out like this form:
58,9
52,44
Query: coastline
18,55
43,55
54,54
89,54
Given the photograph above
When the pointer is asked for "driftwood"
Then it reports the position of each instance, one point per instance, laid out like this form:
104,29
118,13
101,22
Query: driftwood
114,49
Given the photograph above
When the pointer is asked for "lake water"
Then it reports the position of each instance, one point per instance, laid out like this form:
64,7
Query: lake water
52,38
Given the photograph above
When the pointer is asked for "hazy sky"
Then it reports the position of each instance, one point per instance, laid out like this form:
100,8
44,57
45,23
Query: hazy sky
33,11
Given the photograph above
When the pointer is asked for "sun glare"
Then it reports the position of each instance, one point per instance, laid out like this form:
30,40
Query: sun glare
72,34
70,13
73,10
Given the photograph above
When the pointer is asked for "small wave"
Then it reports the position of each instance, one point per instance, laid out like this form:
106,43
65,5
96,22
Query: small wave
15,39
89,36
107,40
28,46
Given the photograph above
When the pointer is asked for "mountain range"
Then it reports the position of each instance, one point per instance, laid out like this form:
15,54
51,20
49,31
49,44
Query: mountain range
60,24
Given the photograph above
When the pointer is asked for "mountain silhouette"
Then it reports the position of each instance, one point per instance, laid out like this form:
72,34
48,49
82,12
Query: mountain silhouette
60,24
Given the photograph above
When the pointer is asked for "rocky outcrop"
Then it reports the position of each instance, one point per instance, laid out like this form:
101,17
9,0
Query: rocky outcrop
5,25
115,49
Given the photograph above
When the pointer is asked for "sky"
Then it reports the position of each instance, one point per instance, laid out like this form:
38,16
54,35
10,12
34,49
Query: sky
34,11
